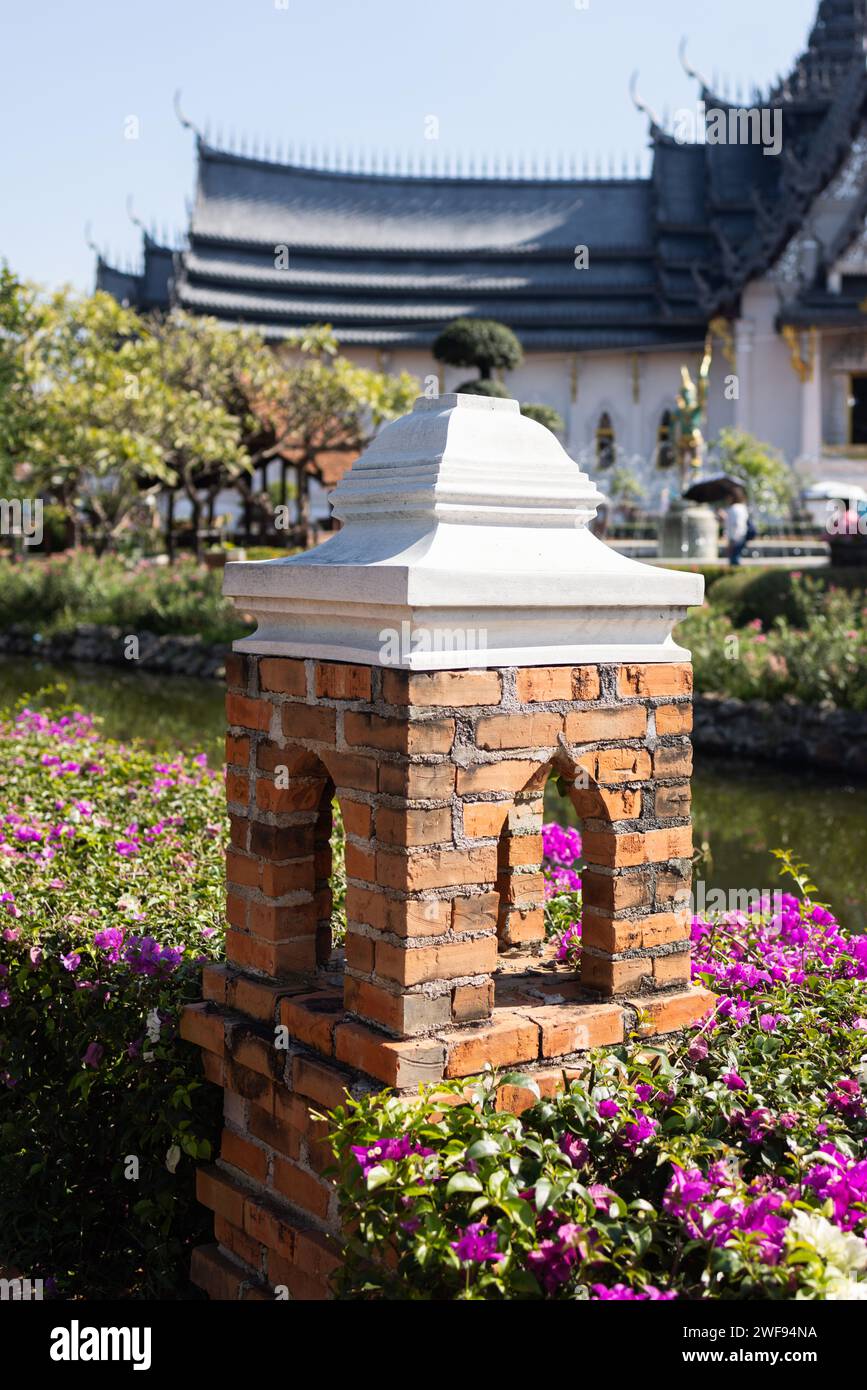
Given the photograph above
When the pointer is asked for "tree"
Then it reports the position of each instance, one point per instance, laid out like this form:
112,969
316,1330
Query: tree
768,478
326,404
545,415
482,343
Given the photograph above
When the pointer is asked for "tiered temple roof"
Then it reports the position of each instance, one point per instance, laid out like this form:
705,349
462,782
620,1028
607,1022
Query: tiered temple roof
388,259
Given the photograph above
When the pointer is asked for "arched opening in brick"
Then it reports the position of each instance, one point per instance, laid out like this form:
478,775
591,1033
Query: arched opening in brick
286,887
556,886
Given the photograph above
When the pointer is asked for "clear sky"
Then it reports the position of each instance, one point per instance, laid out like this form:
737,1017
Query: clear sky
501,77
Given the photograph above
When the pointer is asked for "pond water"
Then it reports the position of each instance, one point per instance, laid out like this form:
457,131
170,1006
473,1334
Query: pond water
741,813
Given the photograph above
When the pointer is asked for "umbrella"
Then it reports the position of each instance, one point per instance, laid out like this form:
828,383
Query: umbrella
720,488
834,492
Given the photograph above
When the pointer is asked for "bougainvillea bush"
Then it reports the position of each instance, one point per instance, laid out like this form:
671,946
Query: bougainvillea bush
728,1163
111,894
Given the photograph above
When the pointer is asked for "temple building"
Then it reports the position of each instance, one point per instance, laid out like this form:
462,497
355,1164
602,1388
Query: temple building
750,230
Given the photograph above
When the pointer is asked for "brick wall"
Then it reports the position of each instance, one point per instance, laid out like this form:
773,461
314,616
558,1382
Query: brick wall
440,778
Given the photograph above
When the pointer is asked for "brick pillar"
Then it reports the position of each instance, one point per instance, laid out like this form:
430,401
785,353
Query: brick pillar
440,779
463,517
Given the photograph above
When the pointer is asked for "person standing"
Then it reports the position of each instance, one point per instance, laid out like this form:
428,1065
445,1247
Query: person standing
737,524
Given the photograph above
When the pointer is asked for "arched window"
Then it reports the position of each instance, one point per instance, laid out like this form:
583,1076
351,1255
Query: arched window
605,445
664,444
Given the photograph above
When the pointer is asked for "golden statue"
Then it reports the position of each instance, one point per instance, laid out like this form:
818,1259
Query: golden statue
687,436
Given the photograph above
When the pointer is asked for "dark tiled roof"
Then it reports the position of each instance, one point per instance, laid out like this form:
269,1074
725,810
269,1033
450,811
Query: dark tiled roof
389,259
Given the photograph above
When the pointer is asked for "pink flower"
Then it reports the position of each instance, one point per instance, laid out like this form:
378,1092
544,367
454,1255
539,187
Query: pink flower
734,1082
607,1109
93,1054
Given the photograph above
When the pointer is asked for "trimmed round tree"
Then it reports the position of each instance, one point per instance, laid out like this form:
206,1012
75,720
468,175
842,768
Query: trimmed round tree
545,415
482,343
484,386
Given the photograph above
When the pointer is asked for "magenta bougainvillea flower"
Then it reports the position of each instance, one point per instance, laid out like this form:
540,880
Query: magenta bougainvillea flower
476,1244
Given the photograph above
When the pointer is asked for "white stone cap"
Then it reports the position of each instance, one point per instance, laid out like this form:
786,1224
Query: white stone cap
464,544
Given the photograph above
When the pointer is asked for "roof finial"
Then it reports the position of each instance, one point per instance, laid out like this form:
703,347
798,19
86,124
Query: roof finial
131,214
639,103
687,65
89,242
187,124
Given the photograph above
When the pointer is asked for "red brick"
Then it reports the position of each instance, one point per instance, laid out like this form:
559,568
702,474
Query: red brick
598,725
672,970
297,875
283,675
618,893
653,679
343,682
242,869
405,1014
237,670
270,958
613,765
442,868
535,730
673,719
404,1063
248,713
673,760
666,1013
277,922
323,1084
399,735
454,688
519,926
271,1230
441,962
614,976
359,952
413,827
291,759
240,1153
510,775
472,1003
301,1188
484,819
214,979
476,913
202,1025
604,803
418,781
240,1244
360,863
585,683
218,1276
506,1041
220,1194
569,1028
357,818
672,803
315,722
538,683
520,851
237,750
274,1132
631,934
237,787
352,771
311,1018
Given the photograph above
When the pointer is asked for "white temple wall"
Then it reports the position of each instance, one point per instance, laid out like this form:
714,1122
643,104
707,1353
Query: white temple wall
770,405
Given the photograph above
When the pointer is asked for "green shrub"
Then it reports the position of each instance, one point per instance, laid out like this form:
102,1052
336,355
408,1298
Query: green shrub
822,658
53,594
746,595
